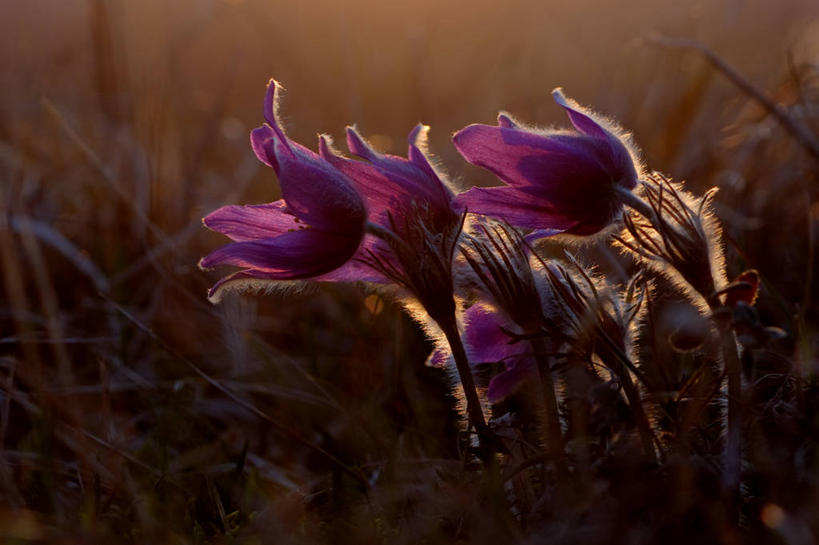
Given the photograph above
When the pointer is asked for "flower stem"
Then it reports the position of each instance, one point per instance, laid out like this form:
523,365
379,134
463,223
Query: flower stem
732,455
473,403
643,425
553,435
621,365
631,200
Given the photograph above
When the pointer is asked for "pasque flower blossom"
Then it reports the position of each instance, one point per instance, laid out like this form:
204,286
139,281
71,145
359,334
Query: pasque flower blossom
311,232
557,181
489,337
412,215
416,228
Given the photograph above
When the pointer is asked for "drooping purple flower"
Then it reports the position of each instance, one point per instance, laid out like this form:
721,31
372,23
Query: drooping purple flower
411,210
415,228
523,314
311,232
556,181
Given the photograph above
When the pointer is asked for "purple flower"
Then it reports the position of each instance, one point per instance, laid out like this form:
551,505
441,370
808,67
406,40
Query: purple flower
490,337
487,340
411,212
416,231
392,185
556,181
311,232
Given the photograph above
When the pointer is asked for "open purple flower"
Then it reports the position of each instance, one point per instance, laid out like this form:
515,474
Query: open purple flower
311,232
557,181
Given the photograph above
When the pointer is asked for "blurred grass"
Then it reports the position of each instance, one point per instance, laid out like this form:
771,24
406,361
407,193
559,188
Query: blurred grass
123,123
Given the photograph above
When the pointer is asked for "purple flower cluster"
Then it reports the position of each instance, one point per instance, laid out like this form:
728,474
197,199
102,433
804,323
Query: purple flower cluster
343,219
392,220
489,298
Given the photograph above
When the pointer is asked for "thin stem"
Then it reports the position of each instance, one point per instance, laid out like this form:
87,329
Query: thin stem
631,200
643,425
800,132
732,453
473,403
553,435
622,366
733,441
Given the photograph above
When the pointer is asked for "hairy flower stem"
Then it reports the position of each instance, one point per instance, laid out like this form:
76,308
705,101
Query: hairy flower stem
631,200
553,435
732,453
621,367
732,459
643,425
473,403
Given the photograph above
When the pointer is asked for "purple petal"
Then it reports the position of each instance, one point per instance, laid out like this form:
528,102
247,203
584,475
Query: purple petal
350,271
581,121
375,186
565,178
261,140
515,207
311,233
621,160
359,267
387,182
418,144
438,358
243,223
416,151
297,254
358,146
397,169
270,110
542,233
561,157
485,340
316,192
506,121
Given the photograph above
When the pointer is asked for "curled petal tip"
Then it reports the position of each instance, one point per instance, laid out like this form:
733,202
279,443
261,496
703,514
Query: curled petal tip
260,138
561,98
357,145
270,101
459,136
325,146
581,118
418,137
419,131
506,121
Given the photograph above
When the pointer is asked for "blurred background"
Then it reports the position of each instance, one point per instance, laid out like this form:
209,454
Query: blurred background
123,123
